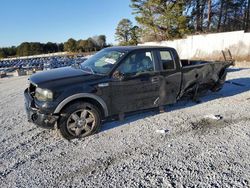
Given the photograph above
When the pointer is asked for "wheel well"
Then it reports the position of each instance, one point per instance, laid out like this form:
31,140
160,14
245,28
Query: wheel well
222,72
89,100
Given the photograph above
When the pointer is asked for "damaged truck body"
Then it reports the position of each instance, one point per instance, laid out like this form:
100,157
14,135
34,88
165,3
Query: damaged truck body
115,81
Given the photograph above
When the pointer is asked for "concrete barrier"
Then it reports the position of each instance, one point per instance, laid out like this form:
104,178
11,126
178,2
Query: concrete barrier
209,46
3,74
19,72
30,72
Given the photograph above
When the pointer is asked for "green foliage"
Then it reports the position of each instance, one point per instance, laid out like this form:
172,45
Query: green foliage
24,49
6,52
126,33
2,53
88,45
123,30
34,48
99,41
51,47
170,19
102,41
135,34
91,44
82,45
161,19
70,45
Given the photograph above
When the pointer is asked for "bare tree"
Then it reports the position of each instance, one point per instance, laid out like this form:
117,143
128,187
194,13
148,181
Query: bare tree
209,11
247,29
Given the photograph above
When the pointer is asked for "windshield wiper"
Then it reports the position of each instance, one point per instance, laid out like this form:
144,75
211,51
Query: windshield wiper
76,65
88,68
83,68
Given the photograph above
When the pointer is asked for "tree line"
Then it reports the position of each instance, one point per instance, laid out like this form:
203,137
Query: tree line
170,19
35,48
91,44
157,20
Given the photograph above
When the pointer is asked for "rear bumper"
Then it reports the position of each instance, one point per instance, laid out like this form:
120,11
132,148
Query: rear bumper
36,117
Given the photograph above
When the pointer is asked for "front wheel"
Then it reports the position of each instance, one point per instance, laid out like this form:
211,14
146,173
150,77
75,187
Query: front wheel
80,119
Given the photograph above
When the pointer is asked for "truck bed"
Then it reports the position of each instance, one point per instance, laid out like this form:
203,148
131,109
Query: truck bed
203,73
186,62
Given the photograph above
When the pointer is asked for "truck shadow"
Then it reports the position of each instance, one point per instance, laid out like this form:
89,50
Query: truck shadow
231,87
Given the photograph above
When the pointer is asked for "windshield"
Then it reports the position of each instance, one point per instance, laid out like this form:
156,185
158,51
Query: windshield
102,62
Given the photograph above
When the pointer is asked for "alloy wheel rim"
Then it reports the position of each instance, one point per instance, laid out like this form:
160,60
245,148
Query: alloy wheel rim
81,122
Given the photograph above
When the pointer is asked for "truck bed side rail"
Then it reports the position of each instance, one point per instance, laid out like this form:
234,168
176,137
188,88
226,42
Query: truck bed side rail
227,55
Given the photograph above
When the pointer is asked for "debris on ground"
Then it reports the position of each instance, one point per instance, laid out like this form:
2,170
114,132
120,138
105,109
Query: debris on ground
195,152
162,131
213,117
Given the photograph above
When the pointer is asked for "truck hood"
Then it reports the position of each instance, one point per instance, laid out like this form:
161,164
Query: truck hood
60,74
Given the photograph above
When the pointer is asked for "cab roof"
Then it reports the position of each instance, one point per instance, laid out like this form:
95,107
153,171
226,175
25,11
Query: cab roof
131,48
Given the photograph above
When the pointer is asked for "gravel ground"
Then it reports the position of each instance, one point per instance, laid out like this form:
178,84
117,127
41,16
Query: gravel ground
194,152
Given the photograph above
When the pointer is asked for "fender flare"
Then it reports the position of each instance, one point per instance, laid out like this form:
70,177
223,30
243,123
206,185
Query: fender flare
82,95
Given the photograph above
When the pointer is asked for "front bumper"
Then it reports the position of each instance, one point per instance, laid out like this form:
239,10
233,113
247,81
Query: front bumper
35,116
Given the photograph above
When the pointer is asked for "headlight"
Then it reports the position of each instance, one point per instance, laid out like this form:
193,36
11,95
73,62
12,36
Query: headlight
43,94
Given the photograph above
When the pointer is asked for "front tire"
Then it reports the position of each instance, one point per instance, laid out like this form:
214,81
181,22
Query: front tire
80,119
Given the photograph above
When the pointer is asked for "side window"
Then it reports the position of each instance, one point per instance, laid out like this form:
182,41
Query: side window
167,60
136,63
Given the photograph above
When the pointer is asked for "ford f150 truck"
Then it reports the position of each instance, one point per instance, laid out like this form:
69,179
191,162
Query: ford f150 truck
115,81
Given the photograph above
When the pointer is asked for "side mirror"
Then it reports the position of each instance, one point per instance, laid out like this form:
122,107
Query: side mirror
118,75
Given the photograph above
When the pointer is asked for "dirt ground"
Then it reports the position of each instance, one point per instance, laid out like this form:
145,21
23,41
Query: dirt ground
195,151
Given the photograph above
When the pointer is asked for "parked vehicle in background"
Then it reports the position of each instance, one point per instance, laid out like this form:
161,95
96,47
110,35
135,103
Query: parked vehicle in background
2,73
115,81
45,63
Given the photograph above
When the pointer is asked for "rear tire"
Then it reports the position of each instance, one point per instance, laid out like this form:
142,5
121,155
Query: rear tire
219,84
80,119
216,88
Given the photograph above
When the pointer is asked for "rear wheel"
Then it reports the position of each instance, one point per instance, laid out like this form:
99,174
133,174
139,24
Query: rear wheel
219,84
217,87
79,120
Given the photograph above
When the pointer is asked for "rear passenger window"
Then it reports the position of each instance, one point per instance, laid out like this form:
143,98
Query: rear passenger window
167,60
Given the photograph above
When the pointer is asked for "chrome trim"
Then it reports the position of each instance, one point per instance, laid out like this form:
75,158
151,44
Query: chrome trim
103,85
82,95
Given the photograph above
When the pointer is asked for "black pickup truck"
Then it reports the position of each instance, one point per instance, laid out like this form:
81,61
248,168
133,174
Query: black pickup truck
115,81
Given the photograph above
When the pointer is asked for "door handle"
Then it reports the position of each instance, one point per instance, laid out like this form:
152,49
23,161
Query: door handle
154,79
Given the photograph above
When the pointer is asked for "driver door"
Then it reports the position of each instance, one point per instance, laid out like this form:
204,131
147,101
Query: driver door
135,84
